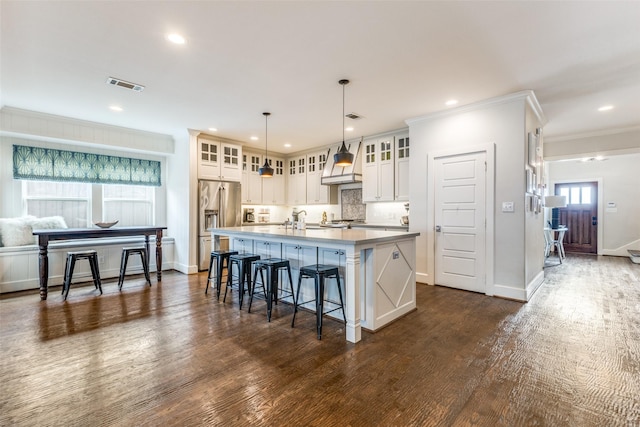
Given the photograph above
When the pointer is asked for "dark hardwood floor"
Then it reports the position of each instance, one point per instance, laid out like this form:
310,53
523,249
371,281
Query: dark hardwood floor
169,355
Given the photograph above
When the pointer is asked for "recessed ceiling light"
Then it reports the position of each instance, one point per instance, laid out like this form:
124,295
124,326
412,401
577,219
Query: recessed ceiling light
176,38
213,129
287,145
115,108
254,138
451,102
606,108
349,129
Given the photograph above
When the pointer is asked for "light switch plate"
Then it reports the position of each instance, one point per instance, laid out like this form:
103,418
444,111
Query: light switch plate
508,207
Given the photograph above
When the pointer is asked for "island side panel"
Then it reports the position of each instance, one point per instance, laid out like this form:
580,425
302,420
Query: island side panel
392,293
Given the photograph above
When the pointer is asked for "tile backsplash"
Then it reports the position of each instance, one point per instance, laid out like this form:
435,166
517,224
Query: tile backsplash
351,202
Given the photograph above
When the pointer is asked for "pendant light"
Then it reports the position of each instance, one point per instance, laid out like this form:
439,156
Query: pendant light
343,157
266,171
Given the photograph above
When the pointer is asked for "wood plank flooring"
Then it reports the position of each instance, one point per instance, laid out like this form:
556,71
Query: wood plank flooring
169,355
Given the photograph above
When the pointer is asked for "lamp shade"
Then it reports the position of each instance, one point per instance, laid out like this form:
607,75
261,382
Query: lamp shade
343,157
555,202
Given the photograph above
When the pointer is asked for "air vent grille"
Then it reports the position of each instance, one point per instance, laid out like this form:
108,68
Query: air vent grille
124,84
353,116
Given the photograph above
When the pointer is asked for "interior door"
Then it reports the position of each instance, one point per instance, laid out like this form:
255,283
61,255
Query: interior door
580,216
459,199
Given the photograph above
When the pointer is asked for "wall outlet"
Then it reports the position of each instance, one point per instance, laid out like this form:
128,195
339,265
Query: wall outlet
508,207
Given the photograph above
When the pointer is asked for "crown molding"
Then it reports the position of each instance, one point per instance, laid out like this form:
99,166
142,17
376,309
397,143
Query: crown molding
524,95
596,133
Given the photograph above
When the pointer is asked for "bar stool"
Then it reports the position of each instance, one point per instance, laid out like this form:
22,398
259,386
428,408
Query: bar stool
319,272
140,250
243,263
72,257
220,257
272,266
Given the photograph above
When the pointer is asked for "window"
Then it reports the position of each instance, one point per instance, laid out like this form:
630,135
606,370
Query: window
81,204
576,194
70,200
131,205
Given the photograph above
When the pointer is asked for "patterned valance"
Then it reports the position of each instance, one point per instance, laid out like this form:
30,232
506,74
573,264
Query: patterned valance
49,164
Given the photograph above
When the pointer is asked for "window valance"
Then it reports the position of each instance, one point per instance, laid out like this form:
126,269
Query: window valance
37,163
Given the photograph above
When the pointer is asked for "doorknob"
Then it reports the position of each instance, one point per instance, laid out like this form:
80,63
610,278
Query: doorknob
594,220
438,229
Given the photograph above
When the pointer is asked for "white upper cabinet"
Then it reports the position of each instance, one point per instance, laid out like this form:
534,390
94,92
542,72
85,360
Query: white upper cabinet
297,180
251,183
257,190
317,193
402,167
378,169
273,189
219,160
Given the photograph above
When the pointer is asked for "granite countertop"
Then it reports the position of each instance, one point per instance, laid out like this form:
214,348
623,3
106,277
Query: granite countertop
319,234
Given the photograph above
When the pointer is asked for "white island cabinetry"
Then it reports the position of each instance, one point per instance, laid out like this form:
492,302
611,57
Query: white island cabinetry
378,267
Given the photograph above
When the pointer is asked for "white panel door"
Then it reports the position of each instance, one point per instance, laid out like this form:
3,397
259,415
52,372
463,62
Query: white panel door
460,221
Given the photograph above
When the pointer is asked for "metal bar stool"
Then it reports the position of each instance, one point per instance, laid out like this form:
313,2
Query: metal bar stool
140,250
72,257
220,257
243,264
319,272
272,266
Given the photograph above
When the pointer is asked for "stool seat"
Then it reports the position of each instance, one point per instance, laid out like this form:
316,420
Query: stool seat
219,256
319,272
243,263
271,266
72,257
140,250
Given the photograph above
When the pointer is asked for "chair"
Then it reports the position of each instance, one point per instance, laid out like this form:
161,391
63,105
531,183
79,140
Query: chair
140,250
319,272
271,266
72,257
219,257
243,264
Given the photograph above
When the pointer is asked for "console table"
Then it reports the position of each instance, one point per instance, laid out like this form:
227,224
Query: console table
46,236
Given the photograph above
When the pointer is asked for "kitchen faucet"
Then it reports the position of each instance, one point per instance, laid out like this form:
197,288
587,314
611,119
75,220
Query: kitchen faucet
295,214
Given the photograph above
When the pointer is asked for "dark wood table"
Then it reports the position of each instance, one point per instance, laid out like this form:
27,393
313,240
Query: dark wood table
46,236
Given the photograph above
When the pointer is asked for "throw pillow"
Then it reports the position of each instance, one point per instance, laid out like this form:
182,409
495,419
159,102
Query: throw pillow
17,231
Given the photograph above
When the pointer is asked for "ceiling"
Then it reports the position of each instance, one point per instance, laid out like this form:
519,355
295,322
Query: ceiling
241,58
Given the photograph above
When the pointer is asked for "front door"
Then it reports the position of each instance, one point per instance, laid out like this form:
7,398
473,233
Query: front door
580,216
459,199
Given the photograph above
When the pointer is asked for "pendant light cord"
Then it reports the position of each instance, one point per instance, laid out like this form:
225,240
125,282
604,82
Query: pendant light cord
266,137
343,113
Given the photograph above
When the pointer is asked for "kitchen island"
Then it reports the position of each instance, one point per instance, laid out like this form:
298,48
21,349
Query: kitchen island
377,267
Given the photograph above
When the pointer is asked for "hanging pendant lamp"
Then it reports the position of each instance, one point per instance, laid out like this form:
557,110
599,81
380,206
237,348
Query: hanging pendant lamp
266,171
343,157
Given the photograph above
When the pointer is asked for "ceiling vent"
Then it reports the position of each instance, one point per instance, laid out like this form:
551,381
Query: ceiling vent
127,85
353,116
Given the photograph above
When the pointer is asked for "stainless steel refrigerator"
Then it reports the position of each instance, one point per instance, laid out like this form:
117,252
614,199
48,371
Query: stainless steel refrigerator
219,206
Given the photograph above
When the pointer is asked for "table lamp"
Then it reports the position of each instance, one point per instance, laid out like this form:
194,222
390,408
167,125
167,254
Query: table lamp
555,202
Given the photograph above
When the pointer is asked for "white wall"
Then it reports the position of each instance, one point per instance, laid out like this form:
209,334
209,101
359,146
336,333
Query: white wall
620,226
503,123
180,219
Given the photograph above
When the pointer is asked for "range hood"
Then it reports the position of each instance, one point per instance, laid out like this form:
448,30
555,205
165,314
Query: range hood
333,174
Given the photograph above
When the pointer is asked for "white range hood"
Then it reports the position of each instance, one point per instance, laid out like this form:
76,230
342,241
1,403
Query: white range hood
333,174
